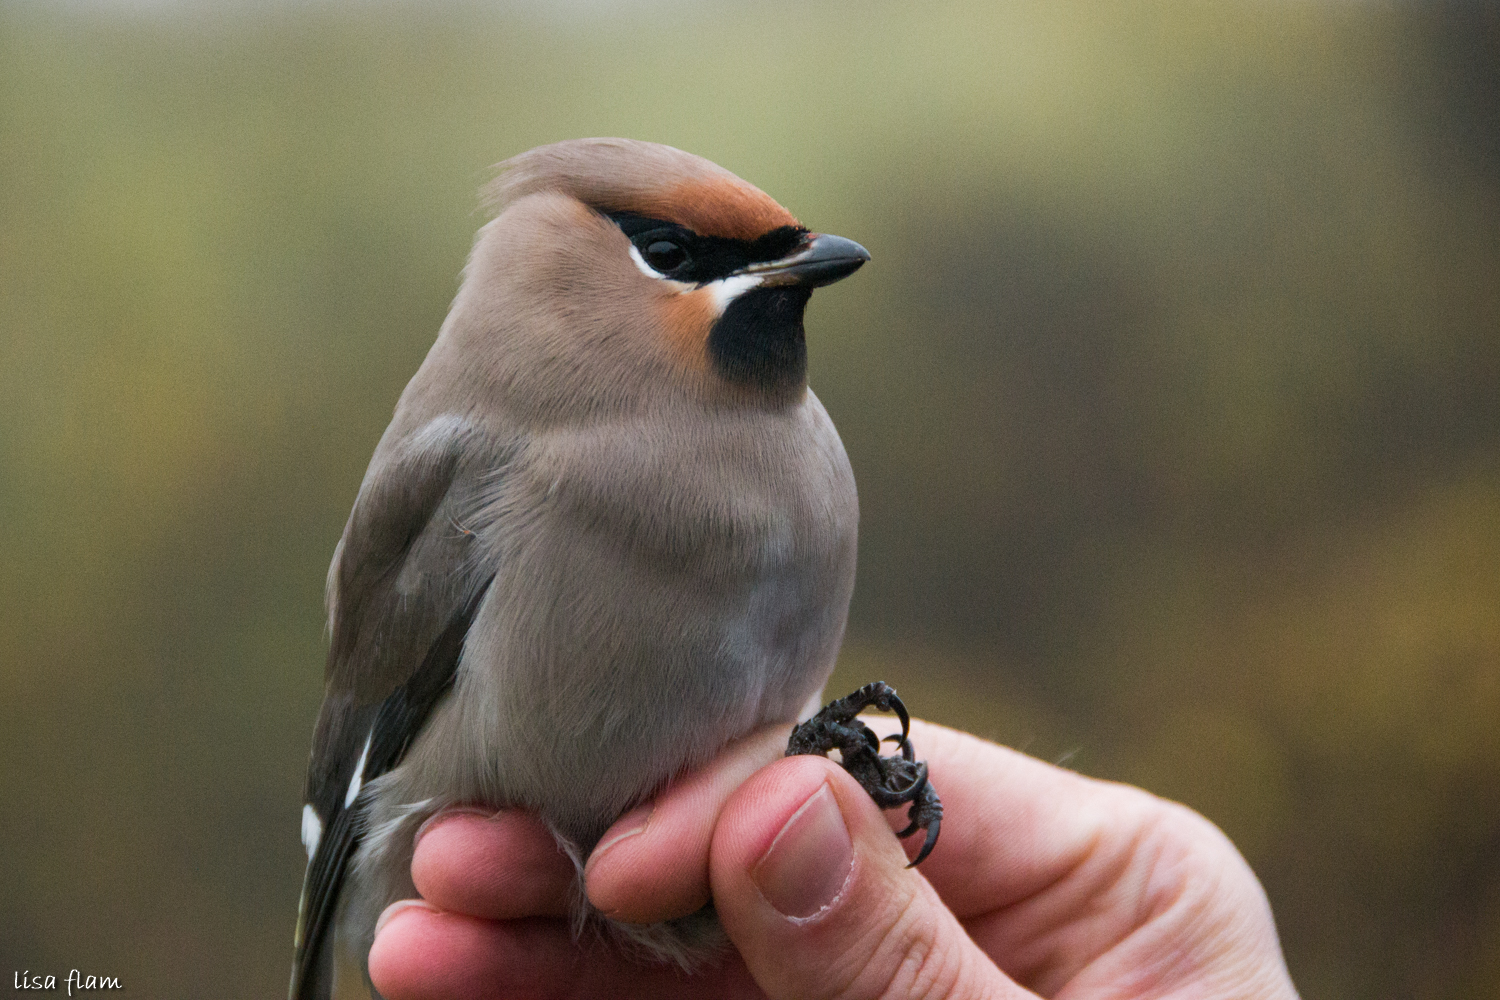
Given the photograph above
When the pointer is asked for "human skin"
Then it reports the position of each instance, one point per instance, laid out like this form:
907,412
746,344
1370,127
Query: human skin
1044,883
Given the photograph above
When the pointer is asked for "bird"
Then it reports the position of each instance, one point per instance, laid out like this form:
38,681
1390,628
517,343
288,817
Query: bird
608,530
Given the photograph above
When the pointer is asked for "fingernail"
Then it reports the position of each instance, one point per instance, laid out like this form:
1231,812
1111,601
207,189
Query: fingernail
808,863
395,908
447,814
631,824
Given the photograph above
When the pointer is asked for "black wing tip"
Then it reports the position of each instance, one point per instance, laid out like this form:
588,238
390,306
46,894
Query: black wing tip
395,721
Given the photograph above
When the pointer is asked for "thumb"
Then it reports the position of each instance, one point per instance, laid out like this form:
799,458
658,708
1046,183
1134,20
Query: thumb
813,889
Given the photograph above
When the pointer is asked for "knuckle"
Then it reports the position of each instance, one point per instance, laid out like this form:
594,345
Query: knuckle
1186,863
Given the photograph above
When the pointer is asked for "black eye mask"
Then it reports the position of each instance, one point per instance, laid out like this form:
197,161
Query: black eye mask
678,253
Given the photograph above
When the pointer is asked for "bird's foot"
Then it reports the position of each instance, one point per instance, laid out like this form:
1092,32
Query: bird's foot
891,781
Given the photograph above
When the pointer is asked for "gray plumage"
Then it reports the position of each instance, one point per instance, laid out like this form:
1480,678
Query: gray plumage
589,550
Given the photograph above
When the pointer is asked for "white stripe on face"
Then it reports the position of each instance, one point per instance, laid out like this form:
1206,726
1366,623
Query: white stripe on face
726,290
644,268
723,290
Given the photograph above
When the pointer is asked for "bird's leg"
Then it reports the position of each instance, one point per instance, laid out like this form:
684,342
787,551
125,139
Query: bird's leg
891,781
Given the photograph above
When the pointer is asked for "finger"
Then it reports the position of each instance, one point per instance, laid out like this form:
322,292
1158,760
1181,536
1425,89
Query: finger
1012,824
653,864
424,954
498,865
1051,871
815,893
1035,860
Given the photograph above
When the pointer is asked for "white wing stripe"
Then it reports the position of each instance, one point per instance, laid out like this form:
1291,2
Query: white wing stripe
356,782
312,830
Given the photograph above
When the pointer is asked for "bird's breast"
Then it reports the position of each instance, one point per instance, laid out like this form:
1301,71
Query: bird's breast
658,593
722,498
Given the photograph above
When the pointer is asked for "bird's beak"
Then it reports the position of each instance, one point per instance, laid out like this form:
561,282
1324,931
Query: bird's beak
822,260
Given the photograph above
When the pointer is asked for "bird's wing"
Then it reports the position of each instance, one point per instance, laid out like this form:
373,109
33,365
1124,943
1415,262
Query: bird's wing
403,590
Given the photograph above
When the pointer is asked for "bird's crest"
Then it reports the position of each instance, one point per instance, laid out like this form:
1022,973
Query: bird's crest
646,178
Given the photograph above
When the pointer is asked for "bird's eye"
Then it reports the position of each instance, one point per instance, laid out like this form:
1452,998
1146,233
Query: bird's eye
664,255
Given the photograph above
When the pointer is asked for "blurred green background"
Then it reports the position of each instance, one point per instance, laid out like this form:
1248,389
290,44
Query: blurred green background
1173,392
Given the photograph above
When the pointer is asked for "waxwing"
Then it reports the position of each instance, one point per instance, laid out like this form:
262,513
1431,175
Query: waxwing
608,530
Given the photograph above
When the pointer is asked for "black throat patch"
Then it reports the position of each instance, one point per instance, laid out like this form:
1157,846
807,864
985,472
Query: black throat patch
759,341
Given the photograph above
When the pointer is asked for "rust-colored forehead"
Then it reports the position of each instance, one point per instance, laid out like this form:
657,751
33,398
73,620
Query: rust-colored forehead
711,206
626,175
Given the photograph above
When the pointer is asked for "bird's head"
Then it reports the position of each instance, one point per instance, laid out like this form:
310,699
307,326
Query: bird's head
616,274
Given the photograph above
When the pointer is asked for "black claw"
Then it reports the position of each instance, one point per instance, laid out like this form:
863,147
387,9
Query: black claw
890,781
929,843
907,752
899,707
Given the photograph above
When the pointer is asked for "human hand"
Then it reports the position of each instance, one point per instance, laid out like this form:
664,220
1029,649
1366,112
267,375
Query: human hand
1044,883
